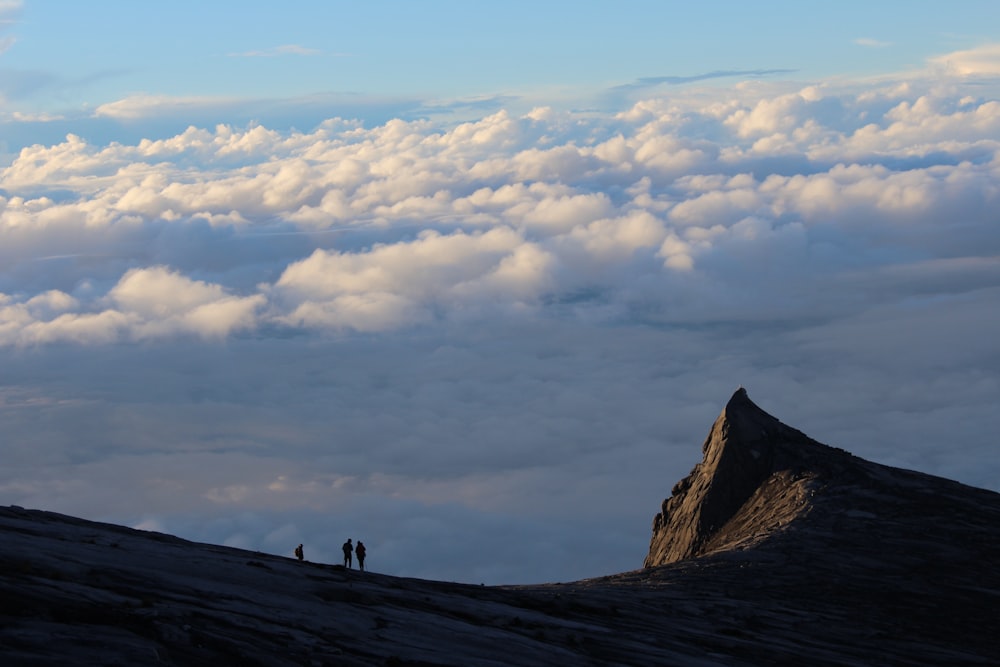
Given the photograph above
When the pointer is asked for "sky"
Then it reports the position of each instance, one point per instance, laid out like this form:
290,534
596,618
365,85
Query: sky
470,282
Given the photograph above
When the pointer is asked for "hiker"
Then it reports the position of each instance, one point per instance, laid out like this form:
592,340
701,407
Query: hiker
298,553
360,551
348,548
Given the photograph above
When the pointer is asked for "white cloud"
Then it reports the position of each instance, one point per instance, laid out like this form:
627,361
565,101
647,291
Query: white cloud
51,303
367,312
980,61
10,10
612,239
144,304
167,302
779,114
676,253
144,106
465,325
283,50
393,285
40,117
715,206
561,213
872,43
158,292
70,163
424,219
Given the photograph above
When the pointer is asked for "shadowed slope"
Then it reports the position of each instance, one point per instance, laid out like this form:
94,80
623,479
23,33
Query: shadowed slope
778,550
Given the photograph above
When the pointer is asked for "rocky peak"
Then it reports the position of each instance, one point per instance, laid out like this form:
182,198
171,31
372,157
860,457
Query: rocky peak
752,461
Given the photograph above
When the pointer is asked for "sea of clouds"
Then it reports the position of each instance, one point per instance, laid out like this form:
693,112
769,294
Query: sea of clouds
489,348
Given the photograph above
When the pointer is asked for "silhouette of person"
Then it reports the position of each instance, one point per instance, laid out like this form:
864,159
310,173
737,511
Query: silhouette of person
348,548
298,552
359,551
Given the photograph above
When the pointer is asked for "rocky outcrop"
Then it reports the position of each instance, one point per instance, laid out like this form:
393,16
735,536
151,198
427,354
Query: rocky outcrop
760,478
753,479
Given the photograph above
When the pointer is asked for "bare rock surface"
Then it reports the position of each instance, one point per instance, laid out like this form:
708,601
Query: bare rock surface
776,550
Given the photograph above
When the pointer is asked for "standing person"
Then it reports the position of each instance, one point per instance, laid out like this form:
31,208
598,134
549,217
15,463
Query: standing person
298,553
348,548
360,551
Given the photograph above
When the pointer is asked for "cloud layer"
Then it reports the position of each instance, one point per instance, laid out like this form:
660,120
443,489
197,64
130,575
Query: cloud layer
427,223
451,332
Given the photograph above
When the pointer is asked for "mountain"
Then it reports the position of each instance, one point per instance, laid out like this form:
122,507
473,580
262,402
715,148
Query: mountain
775,550
760,477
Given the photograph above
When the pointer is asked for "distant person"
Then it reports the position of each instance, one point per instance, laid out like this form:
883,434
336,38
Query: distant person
360,551
298,552
348,549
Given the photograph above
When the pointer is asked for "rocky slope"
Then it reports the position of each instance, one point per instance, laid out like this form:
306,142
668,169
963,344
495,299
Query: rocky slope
757,476
775,550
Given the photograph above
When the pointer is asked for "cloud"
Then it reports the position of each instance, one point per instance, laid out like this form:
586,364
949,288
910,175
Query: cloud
143,106
772,115
980,61
172,300
489,103
10,11
43,117
157,117
868,42
636,91
674,80
144,304
284,50
428,222
396,284
429,331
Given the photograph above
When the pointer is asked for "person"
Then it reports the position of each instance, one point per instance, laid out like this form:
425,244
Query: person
298,552
348,548
360,552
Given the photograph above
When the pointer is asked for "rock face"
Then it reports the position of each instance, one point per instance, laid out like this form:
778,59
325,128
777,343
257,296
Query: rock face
755,477
776,550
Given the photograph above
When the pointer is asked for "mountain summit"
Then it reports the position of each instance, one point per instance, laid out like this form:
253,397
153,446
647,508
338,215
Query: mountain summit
775,550
762,484
756,476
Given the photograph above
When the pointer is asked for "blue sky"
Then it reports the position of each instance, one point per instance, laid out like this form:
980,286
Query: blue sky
69,58
473,279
